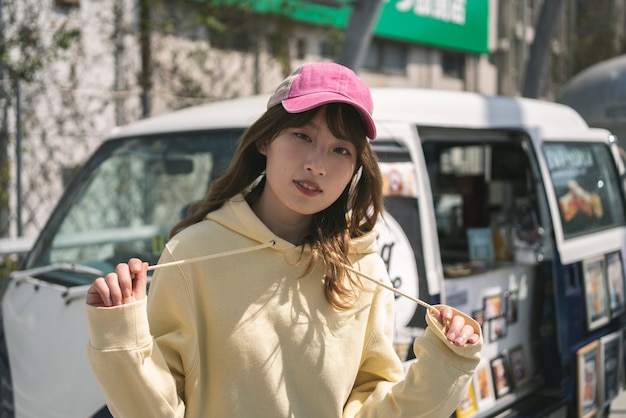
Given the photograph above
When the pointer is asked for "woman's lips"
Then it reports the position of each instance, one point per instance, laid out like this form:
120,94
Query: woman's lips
307,188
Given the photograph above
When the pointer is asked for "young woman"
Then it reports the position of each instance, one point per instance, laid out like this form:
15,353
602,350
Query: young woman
278,318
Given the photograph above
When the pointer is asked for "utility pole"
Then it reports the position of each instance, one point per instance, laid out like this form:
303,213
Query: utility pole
540,48
145,76
118,38
5,103
359,33
18,158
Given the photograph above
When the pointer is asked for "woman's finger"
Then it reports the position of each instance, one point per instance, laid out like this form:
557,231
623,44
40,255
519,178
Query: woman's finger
98,293
139,272
464,336
115,288
444,315
474,338
454,327
126,285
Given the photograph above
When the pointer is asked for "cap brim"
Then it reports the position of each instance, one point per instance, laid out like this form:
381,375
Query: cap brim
310,101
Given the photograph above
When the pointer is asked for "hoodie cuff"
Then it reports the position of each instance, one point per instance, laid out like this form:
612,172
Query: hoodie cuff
119,327
468,351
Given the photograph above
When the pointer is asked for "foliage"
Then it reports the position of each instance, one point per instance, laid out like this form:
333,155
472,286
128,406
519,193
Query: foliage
31,46
596,38
173,53
210,35
24,50
7,266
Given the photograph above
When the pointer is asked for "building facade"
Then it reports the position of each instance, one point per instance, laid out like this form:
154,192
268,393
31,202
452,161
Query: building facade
109,62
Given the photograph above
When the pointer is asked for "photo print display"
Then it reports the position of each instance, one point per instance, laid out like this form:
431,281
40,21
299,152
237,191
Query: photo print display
467,408
512,305
501,377
588,382
483,386
493,307
519,368
610,366
615,282
596,303
497,328
398,179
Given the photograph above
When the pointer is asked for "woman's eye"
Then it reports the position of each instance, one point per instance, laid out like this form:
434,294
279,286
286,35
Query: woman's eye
343,151
302,136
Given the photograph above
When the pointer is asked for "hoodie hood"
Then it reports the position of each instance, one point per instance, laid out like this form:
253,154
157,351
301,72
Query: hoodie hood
237,216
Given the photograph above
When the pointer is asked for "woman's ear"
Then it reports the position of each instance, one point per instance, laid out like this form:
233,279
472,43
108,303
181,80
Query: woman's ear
261,146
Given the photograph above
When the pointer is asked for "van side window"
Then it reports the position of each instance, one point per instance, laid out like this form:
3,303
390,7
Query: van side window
586,186
484,196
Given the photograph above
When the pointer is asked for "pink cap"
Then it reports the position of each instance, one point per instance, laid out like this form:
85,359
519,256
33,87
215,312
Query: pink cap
319,83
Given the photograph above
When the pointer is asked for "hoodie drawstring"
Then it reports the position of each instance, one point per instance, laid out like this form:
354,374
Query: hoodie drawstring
210,256
271,244
389,287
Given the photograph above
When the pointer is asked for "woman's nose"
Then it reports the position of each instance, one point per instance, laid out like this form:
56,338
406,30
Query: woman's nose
316,163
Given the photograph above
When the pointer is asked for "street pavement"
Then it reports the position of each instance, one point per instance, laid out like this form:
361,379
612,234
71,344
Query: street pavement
618,406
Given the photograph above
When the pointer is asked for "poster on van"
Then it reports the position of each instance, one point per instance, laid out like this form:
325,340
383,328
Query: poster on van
586,186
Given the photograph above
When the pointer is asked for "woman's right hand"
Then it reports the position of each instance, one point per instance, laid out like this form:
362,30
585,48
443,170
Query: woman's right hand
126,285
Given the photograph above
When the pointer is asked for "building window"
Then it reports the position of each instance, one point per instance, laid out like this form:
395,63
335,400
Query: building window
67,3
453,64
301,48
278,45
231,34
327,50
386,56
332,44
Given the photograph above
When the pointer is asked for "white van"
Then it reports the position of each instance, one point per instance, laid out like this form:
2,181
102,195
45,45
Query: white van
510,209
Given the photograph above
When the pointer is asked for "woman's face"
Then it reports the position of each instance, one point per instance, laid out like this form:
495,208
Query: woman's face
307,168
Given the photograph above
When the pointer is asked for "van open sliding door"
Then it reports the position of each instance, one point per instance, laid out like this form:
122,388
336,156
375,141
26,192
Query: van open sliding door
492,221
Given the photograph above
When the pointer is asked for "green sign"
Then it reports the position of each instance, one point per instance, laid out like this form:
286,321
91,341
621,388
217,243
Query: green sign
455,24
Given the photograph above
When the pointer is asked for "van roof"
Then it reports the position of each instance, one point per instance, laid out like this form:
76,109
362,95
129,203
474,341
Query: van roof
420,107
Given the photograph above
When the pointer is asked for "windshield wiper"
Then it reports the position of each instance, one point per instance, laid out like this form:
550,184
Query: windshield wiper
71,292
21,275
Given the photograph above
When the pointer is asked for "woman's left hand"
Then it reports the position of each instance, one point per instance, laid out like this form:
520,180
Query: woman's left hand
455,328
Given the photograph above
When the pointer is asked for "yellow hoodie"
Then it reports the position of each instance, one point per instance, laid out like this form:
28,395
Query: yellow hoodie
247,336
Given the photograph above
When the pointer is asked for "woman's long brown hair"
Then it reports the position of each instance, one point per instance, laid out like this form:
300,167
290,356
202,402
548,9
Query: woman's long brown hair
353,214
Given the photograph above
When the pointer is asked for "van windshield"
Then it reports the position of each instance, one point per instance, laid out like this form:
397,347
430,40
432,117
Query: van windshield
128,197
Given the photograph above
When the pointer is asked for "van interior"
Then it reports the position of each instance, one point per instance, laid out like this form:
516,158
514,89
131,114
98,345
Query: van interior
485,198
